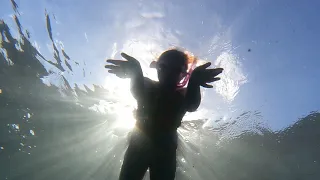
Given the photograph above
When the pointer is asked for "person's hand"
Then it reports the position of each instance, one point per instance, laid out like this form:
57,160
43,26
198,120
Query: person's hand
202,76
124,68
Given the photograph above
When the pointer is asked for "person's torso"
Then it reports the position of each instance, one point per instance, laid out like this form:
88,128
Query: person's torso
159,112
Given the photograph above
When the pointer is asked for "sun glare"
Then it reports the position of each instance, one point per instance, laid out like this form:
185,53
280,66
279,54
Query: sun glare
121,100
125,118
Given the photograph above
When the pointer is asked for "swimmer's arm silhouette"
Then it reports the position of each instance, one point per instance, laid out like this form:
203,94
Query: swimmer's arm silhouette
129,68
201,76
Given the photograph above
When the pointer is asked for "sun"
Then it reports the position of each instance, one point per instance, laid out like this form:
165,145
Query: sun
125,119
120,101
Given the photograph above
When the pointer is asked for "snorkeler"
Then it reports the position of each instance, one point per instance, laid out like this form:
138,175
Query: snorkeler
161,107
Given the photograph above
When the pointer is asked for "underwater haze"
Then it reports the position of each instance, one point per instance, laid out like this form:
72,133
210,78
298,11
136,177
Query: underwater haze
63,117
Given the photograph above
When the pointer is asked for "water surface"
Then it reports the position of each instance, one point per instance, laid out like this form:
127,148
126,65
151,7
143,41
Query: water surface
62,116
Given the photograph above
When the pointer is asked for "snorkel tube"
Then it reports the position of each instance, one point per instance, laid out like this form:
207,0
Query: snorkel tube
185,79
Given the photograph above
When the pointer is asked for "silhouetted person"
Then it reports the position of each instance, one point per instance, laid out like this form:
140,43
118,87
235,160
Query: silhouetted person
161,107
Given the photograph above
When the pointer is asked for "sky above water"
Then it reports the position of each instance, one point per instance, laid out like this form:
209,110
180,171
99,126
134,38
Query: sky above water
268,48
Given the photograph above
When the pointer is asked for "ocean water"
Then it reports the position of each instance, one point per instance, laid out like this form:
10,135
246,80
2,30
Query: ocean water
62,116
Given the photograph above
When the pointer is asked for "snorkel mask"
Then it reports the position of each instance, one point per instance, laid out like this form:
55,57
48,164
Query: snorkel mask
185,76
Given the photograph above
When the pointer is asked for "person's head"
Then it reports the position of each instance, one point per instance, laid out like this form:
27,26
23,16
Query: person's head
172,66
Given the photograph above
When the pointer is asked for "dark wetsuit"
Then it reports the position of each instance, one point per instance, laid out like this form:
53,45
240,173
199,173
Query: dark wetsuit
153,142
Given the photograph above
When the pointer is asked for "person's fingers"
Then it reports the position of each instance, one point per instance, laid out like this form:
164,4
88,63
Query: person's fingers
212,80
112,71
217,79
121,75
214,72
112,67
127,57
207,85
116,62
116,71
204,66
217,70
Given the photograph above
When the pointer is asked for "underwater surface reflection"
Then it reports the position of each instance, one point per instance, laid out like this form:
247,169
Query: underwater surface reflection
63,117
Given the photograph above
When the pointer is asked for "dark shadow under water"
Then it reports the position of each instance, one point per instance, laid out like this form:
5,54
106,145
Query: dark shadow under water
48,132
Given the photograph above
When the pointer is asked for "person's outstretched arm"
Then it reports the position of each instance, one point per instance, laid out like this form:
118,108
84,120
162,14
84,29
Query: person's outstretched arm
129,68
137,85
200,77
192,96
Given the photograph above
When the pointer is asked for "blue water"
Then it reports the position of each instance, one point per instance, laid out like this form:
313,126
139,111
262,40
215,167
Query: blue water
62,116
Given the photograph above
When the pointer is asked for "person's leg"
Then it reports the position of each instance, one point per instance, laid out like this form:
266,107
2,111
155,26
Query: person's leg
163,163
136,159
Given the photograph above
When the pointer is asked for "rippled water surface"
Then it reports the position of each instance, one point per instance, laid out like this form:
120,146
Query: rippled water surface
62,116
